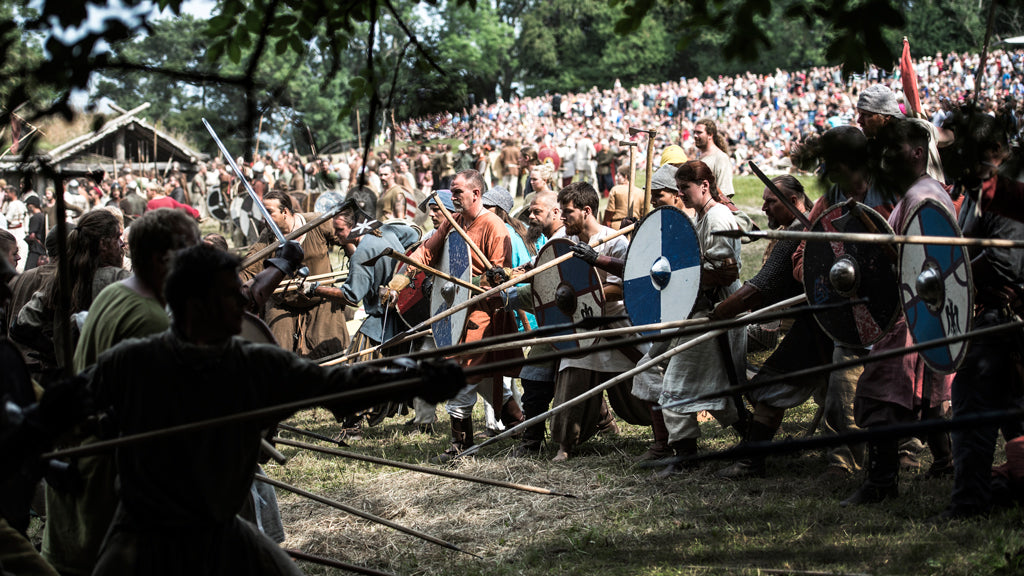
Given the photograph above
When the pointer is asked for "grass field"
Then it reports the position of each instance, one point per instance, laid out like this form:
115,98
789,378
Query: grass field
623,521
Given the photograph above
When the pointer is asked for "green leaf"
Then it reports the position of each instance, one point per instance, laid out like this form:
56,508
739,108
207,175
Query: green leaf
234,52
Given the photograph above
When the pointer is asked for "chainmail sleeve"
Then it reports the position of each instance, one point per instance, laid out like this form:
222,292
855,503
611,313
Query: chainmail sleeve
775,279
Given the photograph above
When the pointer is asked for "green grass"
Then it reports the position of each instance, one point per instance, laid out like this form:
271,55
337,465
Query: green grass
624,522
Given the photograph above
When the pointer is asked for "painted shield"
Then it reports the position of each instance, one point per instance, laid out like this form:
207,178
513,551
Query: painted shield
566,293
662,277
935,286
413,302
328,200
446,294
838,272
217,207
247,217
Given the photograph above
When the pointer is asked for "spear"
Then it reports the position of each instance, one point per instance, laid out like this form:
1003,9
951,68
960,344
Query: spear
826,368
872,238
508,284
407,386
628,375
306,557
422,469
360,513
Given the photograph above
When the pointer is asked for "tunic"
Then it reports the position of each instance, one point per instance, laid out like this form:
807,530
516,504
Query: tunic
363,281
620,202
721,166
488,232
903,380
312,327
72,539
185,522
701,369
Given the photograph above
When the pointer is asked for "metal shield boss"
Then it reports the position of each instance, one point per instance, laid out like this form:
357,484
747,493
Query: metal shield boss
836,272
247,217
566,293
662,276
447,294
216,206
936,290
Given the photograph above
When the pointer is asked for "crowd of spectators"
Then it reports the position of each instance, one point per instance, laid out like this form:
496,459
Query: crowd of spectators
761,115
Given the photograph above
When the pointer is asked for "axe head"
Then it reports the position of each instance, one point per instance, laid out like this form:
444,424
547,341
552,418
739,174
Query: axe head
634,131
629,143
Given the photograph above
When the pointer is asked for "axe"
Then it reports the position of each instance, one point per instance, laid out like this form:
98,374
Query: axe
650,164
632,174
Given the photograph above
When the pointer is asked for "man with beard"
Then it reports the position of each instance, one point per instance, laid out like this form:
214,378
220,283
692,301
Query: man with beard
711,149
488,232
309,326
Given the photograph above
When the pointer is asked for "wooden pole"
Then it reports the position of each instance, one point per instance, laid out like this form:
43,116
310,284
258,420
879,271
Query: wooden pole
422,469
511,282
268,250
451,220
360,513
873,238
628,375
414,264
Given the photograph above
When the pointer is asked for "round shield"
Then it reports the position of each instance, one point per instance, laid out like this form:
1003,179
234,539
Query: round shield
839,272
217,207
246,217
413,304
566,293
662,277
447,294
328,200
256,330
935,286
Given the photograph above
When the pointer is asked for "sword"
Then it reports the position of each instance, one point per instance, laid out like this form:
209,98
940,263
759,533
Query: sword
252,193
782,197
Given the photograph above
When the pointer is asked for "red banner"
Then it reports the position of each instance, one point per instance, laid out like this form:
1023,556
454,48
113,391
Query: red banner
909,77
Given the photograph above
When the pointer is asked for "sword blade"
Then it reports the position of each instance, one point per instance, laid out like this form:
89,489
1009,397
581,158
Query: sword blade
782,197
248,188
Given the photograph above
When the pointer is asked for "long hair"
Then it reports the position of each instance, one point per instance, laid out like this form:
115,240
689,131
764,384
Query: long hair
715,135
517,226
83,258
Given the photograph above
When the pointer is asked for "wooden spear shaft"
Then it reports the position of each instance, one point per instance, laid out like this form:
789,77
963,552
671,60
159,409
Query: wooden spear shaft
626,330
510,283
334,278
628,375
873,238
414,264
451,220
360,513
268,250
306,557
422,469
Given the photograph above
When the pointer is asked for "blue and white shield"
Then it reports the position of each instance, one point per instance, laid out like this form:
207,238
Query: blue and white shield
935,286
566,293
447,294
247,217
662,276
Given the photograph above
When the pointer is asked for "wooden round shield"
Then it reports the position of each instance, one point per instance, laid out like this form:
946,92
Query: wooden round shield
935,286
217,207
447,294
566,293
256,330
247,217
662,276
328,200
837,272
413,304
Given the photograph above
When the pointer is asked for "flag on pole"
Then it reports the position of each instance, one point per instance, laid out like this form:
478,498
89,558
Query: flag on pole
909,78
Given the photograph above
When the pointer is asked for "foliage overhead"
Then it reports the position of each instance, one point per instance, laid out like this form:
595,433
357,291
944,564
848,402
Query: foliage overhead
320,60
